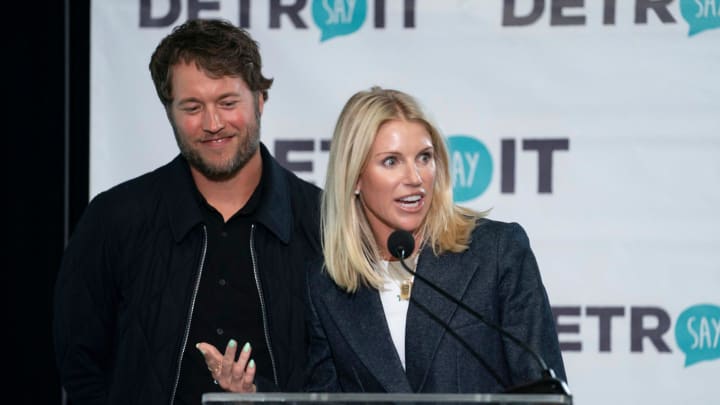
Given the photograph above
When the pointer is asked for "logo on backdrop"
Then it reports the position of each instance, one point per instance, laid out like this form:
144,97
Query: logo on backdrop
334,18
697,329
472,165
697,333
701,15
342,18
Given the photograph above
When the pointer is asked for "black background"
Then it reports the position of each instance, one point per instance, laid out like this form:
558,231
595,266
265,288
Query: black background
45,187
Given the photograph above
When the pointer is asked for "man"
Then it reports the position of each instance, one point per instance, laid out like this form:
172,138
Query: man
201,257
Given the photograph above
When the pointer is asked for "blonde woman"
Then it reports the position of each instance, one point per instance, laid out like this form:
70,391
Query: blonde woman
372,326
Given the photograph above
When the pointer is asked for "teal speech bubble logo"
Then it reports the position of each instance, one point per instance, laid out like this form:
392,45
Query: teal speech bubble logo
700,15
471,167
338,17
697,333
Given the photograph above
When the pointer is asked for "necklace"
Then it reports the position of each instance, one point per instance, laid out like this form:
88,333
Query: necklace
398,275
405,290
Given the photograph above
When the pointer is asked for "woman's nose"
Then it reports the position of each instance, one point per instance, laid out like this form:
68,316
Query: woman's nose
413,174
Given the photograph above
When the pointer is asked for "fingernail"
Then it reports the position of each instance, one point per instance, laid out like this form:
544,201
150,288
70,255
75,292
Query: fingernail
252,363
246,348
232,343
197,346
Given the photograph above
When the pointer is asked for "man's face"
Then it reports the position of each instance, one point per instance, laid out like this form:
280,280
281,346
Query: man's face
216,121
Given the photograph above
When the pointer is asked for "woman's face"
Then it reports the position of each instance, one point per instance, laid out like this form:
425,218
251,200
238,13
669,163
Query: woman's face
396,184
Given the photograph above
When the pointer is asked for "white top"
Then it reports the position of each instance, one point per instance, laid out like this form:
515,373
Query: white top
395,308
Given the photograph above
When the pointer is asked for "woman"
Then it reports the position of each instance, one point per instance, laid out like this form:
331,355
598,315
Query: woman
372,326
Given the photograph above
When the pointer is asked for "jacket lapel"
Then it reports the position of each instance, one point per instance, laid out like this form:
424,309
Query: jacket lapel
361,320
452,273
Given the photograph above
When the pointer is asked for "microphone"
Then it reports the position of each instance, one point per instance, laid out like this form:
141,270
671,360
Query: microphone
401,244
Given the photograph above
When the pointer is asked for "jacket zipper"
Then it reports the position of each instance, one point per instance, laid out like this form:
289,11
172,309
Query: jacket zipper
190,314
262,303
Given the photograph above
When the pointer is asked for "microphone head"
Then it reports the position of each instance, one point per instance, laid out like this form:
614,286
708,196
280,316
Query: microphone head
400,244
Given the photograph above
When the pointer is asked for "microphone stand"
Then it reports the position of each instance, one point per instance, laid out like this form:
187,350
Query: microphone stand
547,384
461,340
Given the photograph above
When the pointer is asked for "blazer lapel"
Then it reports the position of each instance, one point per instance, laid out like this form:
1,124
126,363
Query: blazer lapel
450,272
361,320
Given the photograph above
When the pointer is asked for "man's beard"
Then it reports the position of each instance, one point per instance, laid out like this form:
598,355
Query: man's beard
247,148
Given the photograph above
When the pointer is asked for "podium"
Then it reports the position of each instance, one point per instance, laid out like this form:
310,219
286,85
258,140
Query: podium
226,398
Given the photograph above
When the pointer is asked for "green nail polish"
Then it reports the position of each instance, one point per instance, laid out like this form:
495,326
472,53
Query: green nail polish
232,343
251,364
246,348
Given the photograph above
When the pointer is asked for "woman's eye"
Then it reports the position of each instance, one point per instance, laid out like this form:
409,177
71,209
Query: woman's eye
426,157
389,161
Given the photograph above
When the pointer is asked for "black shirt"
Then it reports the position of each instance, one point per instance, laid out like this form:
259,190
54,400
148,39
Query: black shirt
227,304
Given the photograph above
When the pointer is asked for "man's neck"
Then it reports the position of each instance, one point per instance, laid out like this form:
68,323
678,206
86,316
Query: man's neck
230,195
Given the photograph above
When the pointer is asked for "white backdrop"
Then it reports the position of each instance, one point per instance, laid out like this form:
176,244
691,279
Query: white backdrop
609,110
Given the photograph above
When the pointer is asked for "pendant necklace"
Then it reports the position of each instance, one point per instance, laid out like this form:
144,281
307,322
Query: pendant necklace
405,289
398,275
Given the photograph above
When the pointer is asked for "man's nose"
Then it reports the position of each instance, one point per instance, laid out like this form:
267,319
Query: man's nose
212,121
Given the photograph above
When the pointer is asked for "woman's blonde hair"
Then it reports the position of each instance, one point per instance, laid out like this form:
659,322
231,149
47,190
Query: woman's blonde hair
350,250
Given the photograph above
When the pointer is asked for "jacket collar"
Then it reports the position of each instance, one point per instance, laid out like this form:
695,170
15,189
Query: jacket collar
275,211
452,273
361,320
185,212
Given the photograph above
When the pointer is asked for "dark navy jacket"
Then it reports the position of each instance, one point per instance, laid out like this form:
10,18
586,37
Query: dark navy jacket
350,345
129,275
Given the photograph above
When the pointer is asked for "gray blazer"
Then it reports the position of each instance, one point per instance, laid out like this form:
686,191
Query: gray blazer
350,345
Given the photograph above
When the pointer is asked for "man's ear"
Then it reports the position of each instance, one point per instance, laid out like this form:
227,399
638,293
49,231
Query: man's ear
261,102
168,112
